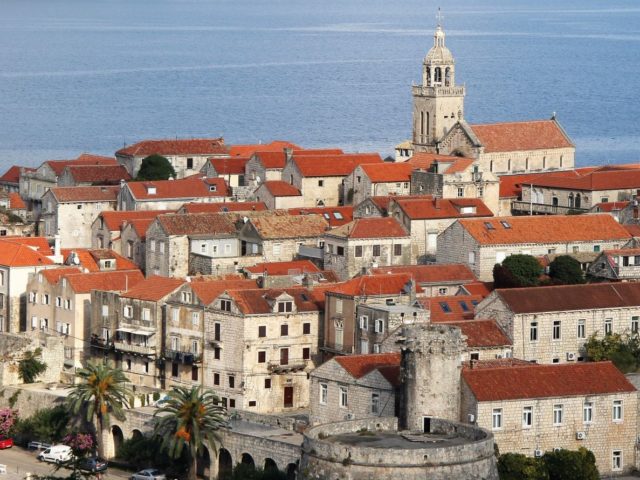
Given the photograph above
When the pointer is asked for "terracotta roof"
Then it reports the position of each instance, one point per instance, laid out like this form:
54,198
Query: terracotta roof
115,220
112,281
248,150
229,166
98,174
374,285
85,194
387,172
545,381
217,207
424,160
482,289
89,258
336,216
460,165
195,146
359,365
373,227
571,297
623,252
84,159
140,226
515,136
289,226
197,224
435,208
593,181
544,229
511,185
482,333
20,255
608,207
435,273
208,290
154,288
332,165
39,244
53,275
16,202
13,174
451,308
260,301
634,230
278,188
283,268
276,160
185,188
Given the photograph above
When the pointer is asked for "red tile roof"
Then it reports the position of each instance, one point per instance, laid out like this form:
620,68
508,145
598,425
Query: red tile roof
85,194
460,165
248,150
13,174
514,136
53,275
451,308
634,230
140,226
511,185
424,160
197,224
97,174
89,258
276,160
278,188
154,288
20,255
260,301
289,226
430,208
229,166
482,289
115,220
185,188
16,202
218,207
388,172
544,229
332,165
373,227
359,365
571,297
283,268
193,146
84,159
336,216
608,207
546,381
111,281
482,333
593,181
39,244
374,285
436,273
208,290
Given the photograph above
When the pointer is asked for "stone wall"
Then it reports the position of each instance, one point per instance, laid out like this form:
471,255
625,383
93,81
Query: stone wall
14,347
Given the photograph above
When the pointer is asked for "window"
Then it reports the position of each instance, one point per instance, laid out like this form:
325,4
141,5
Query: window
344,399
262,331
284,330
186,297
285,307
175,315
376,250
616,460
67,303
581,328
364,346
557,414
533,332
146,314
596,248
33,297
340,251
376,348
556,329
608,326
152,245
128,311
460,192
45,299
587,412
189,162
321,183
635,322
174,343
262,356
225,305
358,251
217,331
232,381
323,393
284,356
397,249
194,347
379,326
496,419
216,379
364,322
216,353
338,305
277,249
306,328
194,374
203,248
617,411
472,258
527,417
306,353
267,383
375,403
195,318
604,199
443,291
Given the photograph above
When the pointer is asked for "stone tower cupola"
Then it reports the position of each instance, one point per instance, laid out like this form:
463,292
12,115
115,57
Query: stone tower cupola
438,103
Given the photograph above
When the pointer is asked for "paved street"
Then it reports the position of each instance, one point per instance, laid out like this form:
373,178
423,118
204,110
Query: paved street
19,462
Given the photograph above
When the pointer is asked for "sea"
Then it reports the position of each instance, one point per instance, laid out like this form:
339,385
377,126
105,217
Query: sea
94,75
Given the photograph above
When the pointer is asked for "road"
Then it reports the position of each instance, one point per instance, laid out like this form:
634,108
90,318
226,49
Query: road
19,462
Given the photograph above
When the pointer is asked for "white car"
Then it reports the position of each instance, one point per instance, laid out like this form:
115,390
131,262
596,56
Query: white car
148,474
56,454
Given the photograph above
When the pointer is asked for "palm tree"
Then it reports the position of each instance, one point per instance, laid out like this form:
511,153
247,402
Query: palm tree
191,418
102,392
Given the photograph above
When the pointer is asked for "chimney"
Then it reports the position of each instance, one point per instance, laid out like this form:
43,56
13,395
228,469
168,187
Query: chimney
57,254
288,153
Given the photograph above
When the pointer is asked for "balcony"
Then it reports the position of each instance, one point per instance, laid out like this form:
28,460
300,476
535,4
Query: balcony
179,356
438,90
543,208
136,348
292,365
310,252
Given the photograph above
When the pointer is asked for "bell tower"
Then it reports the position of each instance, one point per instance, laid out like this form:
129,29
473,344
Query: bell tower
438,103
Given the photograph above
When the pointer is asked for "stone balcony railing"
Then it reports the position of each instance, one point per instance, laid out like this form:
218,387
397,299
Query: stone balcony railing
543,208
134,348
188,358
293,364
422,90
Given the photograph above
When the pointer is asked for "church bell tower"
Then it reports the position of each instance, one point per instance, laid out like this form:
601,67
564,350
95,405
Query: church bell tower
438,103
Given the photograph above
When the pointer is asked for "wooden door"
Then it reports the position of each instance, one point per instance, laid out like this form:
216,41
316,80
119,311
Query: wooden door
288,397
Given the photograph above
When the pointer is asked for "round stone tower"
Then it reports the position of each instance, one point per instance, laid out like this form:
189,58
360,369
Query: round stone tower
430,369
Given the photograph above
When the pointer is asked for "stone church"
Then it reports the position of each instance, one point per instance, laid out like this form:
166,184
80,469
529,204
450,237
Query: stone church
439,126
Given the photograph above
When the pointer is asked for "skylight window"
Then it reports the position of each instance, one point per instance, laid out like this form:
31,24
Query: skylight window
505,224
338,215
445,307
464,306
489,226
326,216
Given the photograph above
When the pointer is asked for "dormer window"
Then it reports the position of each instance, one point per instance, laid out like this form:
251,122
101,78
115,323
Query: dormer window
467,210
186,297
212,188
285,307
151,190
225,305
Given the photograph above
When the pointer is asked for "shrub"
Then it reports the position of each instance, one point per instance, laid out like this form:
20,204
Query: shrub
46,425
571,465
31,366
515,466
566,270
517,271
155,167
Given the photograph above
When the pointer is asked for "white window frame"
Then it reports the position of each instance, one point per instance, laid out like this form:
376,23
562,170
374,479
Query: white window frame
146,314
558,415
324,393
608,326
582,328
344,397
195,318
533,327
635,324
175,315
375,403
557,330
616,460
587,412
496,419
617,411
379,326
364,322
527,417
127,311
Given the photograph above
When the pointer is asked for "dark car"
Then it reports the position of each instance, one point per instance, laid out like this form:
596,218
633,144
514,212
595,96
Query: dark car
6,443
92,464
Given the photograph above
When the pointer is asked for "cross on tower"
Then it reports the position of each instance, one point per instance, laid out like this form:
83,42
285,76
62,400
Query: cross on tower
439,17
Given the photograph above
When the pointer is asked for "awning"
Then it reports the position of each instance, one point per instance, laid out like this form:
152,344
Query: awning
146,333
126,330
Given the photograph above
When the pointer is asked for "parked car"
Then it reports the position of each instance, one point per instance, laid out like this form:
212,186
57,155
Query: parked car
6,443
56,454
35,445
92,464
148,474
161,401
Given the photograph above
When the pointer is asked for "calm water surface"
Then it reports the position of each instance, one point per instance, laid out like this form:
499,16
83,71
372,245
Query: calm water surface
78,75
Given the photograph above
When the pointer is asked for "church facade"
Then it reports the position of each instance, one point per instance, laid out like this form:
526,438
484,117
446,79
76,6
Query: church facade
439,125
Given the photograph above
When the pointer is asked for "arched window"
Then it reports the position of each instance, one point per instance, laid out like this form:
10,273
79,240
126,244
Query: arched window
427,126
578,201
571,200
554,201
438,76
447,77
428,76
422,123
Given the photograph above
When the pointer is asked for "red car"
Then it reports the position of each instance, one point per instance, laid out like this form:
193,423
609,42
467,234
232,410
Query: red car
6,443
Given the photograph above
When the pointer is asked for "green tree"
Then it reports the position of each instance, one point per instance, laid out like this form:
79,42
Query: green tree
622,350
46,424
517,271
190,419
155,167
566,270
571,465
515,466
101,392
31,366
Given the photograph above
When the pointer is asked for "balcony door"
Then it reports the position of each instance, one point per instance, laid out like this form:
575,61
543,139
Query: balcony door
288,397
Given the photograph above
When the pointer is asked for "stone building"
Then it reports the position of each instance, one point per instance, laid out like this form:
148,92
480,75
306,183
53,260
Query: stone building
71,211
481,243
552,324
375,180
134,241
365,243
187,156
616,265
277,194
92,175
106,229
532,409
238,207
231,169
260,346
10,180
15,346
335,216
434,279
